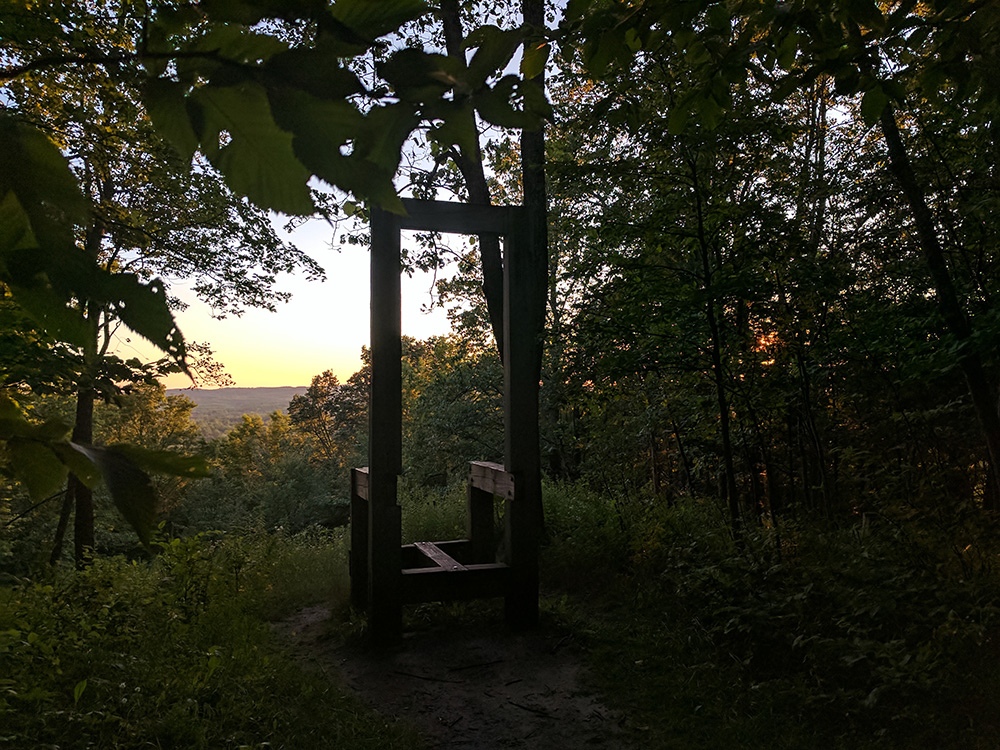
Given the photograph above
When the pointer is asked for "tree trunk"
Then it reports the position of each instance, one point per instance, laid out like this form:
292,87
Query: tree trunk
654,465
83,519
685,463
728,489
64,514
984,401
471,167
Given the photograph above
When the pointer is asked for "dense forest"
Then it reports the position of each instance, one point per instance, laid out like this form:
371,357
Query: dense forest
218,410
769,377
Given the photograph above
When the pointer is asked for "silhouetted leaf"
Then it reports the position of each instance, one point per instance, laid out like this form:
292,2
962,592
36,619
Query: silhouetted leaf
144,309
495,48
243,142
130,488
168,109
318,71
37,467
416,75
872,104
164,462
534,59
374,19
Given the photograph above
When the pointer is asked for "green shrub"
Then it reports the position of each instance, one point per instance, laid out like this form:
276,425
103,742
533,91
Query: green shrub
879,632
175,653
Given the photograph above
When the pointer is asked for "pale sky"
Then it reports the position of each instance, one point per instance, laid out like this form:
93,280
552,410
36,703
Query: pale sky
322,327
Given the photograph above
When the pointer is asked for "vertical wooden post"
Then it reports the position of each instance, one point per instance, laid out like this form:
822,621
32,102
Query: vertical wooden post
522,349
482,539
359,538
385,432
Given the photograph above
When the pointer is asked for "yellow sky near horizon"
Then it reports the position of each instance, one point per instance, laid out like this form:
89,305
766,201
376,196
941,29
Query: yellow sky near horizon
322,327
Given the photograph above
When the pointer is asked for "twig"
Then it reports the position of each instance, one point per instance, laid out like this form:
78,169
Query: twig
539,711
425,677
40,503
473,666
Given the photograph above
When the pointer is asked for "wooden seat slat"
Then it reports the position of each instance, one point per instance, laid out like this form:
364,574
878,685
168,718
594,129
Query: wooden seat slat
438,555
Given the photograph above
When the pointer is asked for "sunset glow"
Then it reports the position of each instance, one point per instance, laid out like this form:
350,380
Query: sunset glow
322,327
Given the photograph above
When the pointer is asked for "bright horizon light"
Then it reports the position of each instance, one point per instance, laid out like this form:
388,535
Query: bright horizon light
322,327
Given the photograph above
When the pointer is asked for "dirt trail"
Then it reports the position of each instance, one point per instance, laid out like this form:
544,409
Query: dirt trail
469,689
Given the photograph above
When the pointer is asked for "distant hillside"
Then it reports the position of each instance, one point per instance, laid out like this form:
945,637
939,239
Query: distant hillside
220,409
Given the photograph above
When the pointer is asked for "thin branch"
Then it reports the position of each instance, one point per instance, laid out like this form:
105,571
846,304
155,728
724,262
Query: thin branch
50,61
39,504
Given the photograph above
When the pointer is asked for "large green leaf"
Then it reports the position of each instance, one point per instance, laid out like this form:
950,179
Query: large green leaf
873,103
323,123
318,71
495,48
498,105
15,226
167,107
242,141
131,489
418,76
33,449
250,12
325,130
235,43
35,170
145,310
458,126
386,129
49,312
37,467
534,59
374,18
164,462
39,261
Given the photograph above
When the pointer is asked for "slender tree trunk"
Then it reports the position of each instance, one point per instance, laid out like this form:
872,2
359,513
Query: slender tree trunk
729,489
729,465
471,167
685,463
984,401
83,496
64,514
813,445
654,465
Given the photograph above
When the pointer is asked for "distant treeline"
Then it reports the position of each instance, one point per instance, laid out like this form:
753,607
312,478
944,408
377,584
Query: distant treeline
220,409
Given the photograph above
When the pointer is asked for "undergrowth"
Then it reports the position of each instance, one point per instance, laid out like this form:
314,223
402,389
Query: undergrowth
884,633
177,652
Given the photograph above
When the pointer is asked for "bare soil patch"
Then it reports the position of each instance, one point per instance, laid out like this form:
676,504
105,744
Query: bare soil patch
468,688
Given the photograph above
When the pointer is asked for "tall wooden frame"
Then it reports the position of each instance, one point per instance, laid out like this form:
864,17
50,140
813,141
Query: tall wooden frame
385,574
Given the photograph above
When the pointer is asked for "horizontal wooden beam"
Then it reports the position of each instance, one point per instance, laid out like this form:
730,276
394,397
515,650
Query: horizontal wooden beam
439,585
491,477
457,218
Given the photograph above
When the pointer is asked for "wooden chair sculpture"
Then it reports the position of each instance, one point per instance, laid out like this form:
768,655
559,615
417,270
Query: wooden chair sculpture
384,574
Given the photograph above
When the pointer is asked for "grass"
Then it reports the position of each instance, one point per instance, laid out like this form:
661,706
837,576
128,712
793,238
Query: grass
177,653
